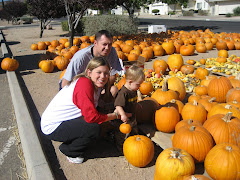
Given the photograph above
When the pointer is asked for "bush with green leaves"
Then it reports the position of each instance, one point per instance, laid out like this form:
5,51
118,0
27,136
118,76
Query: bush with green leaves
228,15
155,11
236,11
188,13
202,12
115,24
79,28
171,13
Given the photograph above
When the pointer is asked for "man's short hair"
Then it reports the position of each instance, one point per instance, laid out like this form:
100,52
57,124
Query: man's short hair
99,34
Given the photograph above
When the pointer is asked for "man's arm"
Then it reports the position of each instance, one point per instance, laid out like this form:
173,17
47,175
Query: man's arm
65,82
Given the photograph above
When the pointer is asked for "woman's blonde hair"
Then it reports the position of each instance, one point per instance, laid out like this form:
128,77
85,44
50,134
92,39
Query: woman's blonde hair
93,64
134,73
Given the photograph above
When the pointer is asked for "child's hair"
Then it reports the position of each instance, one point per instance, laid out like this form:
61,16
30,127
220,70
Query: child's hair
134,73
93,64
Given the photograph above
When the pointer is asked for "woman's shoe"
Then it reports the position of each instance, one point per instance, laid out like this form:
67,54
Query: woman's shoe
76,160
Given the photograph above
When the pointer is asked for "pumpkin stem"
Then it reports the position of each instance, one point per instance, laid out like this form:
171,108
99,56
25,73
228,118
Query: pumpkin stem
212,99
228,106
195,102
234,101
165,85
190,121
138,138
175,154
229,148
227,117
194,178
173,101
192,128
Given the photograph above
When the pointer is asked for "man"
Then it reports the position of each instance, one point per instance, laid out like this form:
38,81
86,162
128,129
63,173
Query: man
102,46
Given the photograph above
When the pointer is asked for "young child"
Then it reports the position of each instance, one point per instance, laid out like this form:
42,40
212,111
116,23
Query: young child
126,99
72,117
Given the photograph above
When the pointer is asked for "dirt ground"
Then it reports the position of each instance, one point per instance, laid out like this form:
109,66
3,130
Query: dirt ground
103,161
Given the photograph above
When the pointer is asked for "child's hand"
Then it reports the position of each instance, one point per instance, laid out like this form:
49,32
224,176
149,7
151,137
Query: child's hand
124,118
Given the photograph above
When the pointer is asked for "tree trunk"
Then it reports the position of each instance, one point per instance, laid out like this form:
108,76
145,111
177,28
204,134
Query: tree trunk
42,29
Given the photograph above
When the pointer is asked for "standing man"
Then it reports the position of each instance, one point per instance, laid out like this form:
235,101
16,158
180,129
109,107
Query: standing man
102,46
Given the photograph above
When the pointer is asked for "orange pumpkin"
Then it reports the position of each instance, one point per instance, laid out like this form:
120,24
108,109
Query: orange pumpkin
34,47
173,163
223,108
196,140
125,128
9,64
177,85
187,123
233,95
218,88
187,69
168,47
175,61
121,83
194,111
138,150
47,66
227,153
201,73
187,50
223,53
61,62
41,45
164,95
146,88
166,119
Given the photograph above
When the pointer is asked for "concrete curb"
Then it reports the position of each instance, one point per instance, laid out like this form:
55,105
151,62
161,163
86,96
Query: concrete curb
36,162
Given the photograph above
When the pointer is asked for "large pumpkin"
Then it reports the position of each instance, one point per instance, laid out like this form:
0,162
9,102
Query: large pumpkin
138,150
175,61
173,163
196,140
9,64
145,110
166,119
223,108
187,123
233,95
218,88
164,95
177,85
223,162
187,50
224,128
168,47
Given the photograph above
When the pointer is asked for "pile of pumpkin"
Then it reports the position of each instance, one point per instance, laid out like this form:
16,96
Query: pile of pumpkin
182,42
207,126
61,51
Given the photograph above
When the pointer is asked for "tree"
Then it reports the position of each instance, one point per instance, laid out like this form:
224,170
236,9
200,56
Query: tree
14,10
75,10
131,5
45,11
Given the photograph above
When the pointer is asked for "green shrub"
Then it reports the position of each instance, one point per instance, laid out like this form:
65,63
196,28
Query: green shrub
236,11
188,13
79,29
64,25
115,24
155,11
171,13
26,20
228,15
202,12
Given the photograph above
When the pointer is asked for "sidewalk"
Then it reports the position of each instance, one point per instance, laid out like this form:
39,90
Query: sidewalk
195,17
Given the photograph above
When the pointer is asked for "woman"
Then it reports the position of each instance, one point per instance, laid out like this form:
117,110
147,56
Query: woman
71,117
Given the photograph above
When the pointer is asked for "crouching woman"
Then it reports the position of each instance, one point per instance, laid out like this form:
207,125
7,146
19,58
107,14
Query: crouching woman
71,117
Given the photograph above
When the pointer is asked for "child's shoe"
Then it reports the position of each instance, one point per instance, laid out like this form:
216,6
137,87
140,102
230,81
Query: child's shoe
76,160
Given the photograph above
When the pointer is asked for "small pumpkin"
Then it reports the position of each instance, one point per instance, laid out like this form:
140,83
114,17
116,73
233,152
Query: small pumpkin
233,95
47,66
9,64
187,50
138,150
201,90
34,47
121,83
125,128
187,69
201,73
